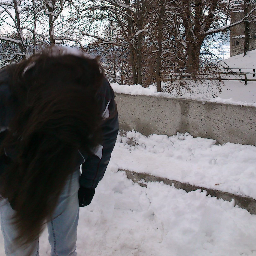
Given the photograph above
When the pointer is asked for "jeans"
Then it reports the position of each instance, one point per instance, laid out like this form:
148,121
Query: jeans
62,228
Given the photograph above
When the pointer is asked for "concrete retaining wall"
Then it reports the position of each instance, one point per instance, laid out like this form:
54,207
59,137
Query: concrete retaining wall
159,115
243,202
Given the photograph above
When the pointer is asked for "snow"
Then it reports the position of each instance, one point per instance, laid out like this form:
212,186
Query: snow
57,50
141,31
135,89
123,5
10,40
233,92
240,61
126,219
229,167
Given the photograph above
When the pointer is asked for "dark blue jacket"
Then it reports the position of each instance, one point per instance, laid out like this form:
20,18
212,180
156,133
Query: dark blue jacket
93,166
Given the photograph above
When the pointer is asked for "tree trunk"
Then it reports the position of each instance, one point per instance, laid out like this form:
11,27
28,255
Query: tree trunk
50,7
34,27
246,28
132,54
122,66
133,64
159,42
193,56
139,59
18,27
114,69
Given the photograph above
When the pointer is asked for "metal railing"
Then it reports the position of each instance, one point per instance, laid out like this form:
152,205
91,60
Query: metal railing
240,75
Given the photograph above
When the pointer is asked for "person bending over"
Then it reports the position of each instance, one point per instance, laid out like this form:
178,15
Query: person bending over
58,117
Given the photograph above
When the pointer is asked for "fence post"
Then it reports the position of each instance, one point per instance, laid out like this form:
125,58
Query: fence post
219,78
245,79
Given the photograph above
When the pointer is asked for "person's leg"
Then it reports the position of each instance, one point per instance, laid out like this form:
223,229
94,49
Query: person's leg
9,234
63,226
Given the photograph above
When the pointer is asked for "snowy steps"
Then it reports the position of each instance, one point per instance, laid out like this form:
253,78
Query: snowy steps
243,202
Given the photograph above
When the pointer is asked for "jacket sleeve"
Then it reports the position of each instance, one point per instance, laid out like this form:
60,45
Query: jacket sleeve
95,165
6,114
5,96
8,102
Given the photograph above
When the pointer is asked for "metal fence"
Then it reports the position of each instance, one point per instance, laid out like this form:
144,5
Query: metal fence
238,74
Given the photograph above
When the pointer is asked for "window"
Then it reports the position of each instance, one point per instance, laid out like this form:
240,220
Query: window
235,42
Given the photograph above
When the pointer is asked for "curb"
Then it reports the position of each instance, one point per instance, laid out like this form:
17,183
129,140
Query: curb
244,202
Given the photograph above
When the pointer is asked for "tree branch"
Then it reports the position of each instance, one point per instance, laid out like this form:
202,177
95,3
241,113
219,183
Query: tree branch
225,28
101,39
10,40
9,13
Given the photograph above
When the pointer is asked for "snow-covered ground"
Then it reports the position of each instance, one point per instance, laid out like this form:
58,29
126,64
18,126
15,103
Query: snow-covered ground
229,167
240,61
233,92
126,219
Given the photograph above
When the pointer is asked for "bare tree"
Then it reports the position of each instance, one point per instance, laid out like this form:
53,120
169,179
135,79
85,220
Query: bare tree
23,22
11,11
53,9
248,22
196,18
160,29
132,19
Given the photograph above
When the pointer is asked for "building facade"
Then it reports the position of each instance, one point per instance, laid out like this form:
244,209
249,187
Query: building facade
237,33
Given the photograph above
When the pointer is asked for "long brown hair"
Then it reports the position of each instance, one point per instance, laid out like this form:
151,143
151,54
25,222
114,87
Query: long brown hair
56,115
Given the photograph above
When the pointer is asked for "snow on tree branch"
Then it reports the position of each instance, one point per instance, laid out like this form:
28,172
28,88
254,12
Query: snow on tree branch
11,40
63,38
224,28
141,31
101,39
6,10
51,13
118,3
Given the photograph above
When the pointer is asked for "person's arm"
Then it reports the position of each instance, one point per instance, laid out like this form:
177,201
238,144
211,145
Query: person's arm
6,113
95,165
5,159
4,99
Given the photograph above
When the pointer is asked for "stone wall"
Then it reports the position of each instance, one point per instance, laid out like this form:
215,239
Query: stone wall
159,115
